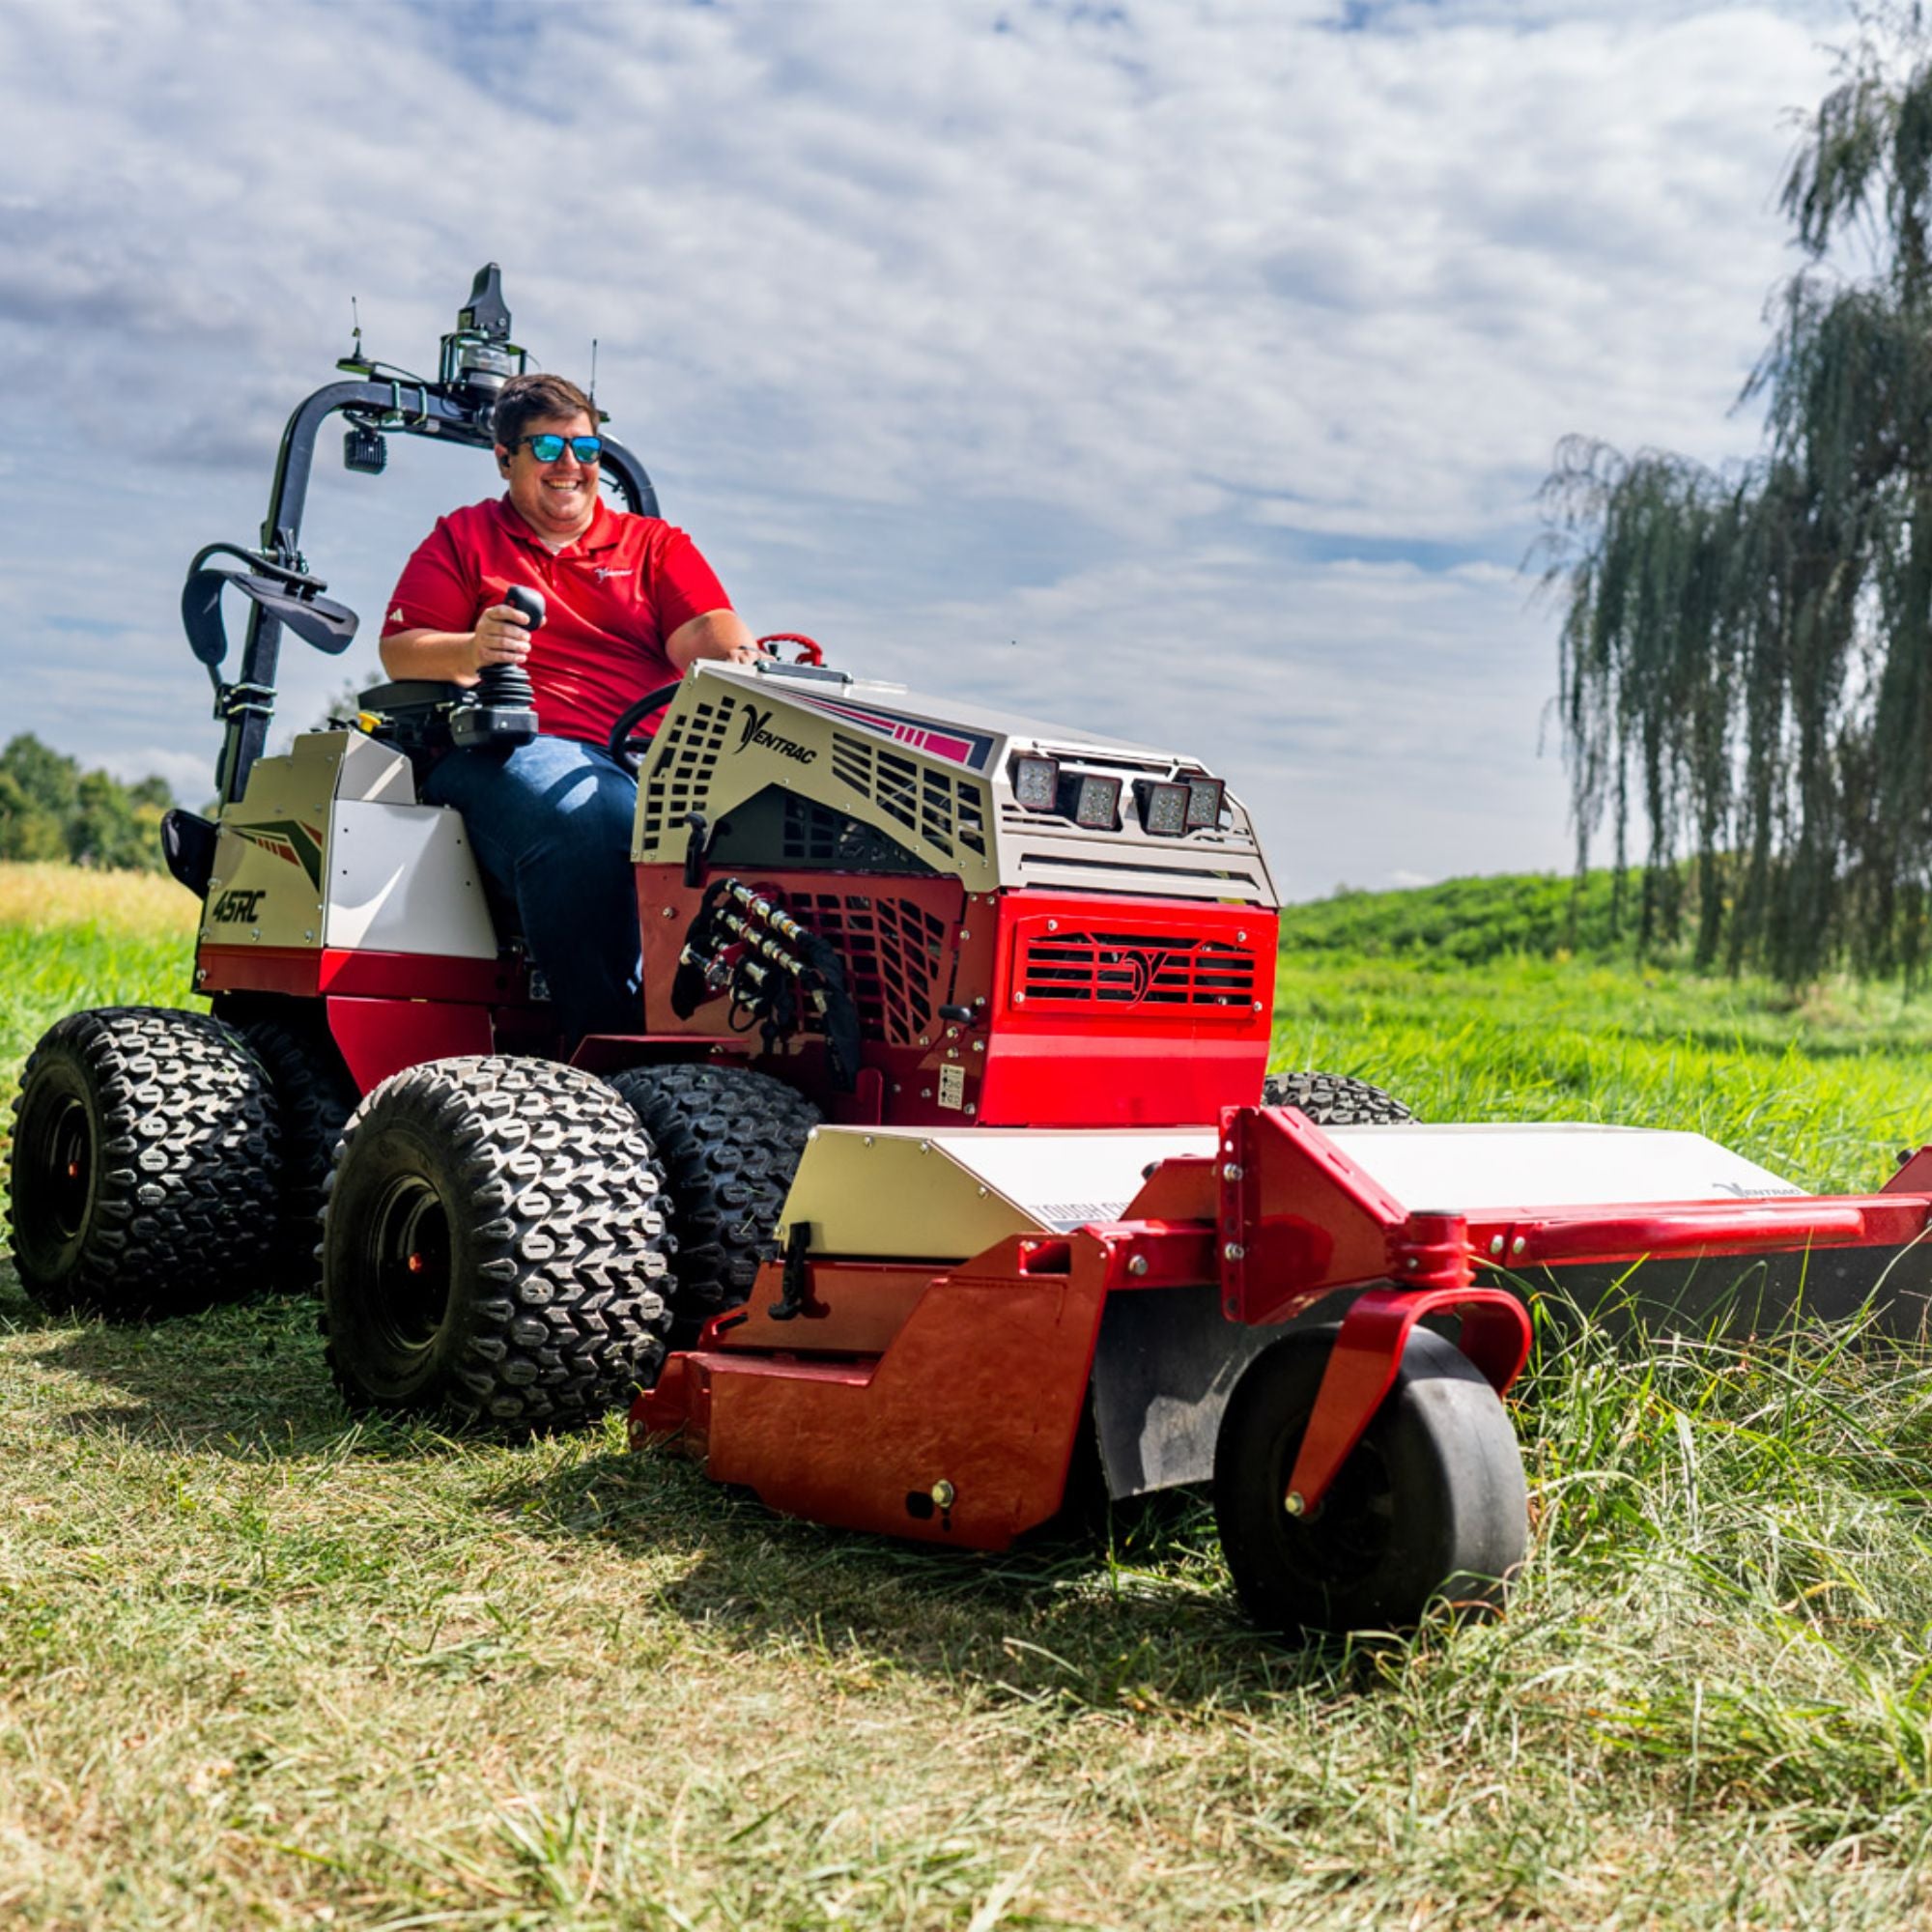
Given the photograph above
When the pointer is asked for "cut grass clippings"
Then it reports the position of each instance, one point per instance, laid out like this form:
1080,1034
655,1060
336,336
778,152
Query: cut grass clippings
262,1666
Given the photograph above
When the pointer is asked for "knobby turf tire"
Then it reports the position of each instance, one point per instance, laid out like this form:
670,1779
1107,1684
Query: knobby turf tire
729,1140
493,1248
145,1165
1334,1100
314,1098
1430,1507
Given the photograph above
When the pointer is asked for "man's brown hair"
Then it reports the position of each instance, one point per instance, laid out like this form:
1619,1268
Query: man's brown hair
529,399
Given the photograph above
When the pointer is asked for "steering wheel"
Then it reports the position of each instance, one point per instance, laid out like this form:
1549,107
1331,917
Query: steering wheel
625,747
809,652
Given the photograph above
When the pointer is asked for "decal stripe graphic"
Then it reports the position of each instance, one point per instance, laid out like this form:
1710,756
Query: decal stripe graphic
971,750
289,841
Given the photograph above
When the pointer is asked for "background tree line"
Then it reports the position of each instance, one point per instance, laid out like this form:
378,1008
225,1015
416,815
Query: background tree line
1747,653
50,809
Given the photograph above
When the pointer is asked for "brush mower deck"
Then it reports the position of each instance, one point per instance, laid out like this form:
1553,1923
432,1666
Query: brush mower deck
935,1154
1238,1308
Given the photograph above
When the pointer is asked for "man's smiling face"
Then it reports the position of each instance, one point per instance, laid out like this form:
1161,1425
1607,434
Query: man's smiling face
556,499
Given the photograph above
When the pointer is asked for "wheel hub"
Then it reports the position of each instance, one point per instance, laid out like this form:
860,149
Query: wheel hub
1343,1536
69,1179
407,1265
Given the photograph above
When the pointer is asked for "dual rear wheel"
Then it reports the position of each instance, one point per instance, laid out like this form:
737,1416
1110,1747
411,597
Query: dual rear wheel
145,1167
495,1246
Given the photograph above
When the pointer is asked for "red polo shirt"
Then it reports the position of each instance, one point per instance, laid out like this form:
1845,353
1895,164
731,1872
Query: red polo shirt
611,600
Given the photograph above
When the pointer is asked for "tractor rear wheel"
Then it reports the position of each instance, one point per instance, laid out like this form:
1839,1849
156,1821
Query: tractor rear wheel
314,1096
1429,1508
1334,1100
145,1165
730,1141
493,1247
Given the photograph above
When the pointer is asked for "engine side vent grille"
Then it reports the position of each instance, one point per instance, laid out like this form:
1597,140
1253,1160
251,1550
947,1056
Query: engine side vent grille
817,835
893,954
1158,973
680,764
948,813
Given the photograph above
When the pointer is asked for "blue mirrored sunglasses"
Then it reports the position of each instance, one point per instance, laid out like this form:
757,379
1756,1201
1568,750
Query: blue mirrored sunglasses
547,447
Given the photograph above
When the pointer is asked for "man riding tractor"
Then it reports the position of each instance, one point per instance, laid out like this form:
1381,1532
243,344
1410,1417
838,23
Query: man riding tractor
628,604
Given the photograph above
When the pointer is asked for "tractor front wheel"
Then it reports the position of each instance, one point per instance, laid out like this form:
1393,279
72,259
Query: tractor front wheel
145,1165
494,1247
1429,1508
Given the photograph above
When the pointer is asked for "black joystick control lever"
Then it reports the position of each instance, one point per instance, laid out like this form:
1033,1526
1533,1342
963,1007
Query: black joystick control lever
503,714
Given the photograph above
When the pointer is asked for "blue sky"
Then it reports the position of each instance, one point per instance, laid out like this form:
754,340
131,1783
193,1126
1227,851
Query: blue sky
1185,371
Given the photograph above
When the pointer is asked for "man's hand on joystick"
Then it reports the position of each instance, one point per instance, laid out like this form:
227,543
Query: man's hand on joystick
502,643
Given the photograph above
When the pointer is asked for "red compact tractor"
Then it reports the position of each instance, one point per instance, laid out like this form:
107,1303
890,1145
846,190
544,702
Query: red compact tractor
936,1164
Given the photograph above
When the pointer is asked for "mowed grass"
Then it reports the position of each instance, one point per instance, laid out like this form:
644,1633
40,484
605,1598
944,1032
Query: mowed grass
260,1666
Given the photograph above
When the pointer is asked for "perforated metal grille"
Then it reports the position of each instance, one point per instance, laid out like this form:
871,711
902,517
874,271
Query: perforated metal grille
1130,969
815,835
947,813
681,764
892,953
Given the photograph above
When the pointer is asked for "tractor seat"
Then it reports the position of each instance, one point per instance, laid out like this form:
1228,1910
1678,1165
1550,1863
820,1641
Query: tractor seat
409,698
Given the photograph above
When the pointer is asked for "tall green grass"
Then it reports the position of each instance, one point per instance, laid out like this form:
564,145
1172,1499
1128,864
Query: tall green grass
1825,1089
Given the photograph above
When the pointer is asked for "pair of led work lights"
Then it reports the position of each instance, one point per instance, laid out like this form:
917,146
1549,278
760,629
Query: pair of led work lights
1167,808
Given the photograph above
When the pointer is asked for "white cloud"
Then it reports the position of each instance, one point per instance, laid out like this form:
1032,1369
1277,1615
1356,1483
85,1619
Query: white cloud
1212,352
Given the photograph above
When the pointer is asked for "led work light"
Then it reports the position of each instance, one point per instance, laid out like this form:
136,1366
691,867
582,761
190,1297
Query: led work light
1036,782
1163,808
1094,801
1204,804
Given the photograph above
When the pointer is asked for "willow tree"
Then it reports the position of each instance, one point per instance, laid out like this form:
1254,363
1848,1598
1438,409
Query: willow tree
1746,654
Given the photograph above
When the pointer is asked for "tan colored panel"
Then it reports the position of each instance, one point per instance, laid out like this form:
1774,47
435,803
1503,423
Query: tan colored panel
754,735
373,774
259,892
890,1194
327,845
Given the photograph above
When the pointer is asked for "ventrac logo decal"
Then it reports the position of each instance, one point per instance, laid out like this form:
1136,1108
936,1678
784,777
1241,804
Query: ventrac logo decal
756,730
1143,969
297,844
235,908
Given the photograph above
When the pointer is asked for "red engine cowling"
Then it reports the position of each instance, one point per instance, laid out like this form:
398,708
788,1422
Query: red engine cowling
1013,1008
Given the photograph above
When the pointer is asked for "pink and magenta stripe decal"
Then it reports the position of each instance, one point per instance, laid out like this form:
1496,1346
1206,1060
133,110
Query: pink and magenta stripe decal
930,739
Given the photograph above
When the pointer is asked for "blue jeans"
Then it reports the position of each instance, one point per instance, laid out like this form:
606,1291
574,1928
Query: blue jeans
551,825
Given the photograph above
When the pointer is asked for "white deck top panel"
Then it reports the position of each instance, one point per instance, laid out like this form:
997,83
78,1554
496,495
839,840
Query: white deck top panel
1064,1177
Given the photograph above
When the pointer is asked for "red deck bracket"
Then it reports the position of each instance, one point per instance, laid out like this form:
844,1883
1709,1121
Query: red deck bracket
1297,1219
1495,1337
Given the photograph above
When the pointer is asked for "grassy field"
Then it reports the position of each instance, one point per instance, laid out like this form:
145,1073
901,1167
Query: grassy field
261,1668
